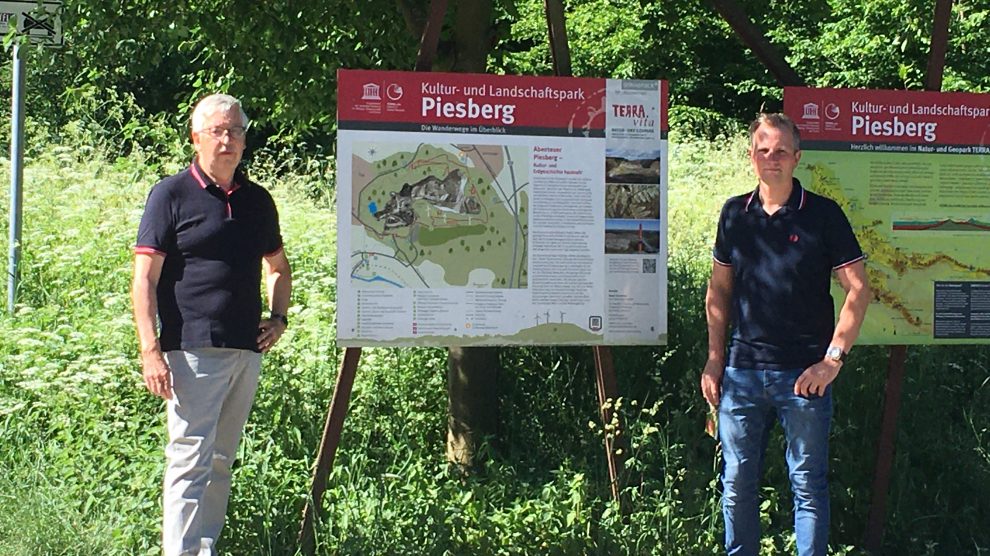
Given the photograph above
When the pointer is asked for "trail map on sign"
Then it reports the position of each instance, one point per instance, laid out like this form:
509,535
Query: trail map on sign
424,209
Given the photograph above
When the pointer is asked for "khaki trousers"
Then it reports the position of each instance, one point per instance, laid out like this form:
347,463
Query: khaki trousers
212,393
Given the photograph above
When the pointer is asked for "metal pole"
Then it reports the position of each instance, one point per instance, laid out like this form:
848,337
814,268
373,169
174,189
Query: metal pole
332,430
16,176
608,393
940,41
559,49
873,541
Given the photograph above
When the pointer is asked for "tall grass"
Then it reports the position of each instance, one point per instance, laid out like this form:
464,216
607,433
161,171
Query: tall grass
81,441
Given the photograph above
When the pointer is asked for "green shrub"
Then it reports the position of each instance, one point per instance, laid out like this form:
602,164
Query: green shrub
81,441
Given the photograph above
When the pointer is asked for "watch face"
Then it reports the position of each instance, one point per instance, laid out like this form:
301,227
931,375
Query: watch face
834,352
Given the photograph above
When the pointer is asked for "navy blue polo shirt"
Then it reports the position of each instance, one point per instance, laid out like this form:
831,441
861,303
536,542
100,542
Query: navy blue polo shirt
209,293
783,315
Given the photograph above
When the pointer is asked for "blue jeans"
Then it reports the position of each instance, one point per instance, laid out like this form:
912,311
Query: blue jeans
752,400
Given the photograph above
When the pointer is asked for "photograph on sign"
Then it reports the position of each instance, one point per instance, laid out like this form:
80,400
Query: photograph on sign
910,169
500,210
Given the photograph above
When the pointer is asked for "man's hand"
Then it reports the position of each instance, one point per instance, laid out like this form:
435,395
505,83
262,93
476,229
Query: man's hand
269,331
816,378
157,375
711,381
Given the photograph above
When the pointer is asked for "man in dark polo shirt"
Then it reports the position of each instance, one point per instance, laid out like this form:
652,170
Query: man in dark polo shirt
776,250
206,237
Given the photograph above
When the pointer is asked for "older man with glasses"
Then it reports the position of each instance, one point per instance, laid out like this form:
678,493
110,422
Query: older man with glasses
206,237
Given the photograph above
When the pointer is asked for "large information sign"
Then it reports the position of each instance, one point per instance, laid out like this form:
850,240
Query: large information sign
912,172
498,210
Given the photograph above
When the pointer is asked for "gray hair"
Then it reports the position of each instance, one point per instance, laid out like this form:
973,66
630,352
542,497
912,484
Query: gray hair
777,120
212,104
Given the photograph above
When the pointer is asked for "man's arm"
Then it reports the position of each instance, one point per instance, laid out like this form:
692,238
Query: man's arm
147,271
278,284
858,298
817,377
717,306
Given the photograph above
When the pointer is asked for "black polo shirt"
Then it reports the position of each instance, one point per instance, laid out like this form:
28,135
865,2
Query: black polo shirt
209,293
783,315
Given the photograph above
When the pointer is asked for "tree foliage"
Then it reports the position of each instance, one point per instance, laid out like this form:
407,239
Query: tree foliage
156,57
834,43
280,57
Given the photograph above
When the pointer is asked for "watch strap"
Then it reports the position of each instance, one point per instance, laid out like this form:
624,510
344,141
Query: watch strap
279,316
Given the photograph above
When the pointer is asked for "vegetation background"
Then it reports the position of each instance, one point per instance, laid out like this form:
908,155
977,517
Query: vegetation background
81,441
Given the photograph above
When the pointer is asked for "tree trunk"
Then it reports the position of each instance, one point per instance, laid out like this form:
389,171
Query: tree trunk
472,373
472,35
472,416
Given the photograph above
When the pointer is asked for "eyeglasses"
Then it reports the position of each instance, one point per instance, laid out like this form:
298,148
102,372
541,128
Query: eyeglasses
236,132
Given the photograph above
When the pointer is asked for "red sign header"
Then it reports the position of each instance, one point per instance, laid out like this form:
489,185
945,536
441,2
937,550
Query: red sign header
883,116
488,103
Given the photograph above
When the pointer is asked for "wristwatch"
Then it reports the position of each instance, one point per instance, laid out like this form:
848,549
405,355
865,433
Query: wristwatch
835,353
279,316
